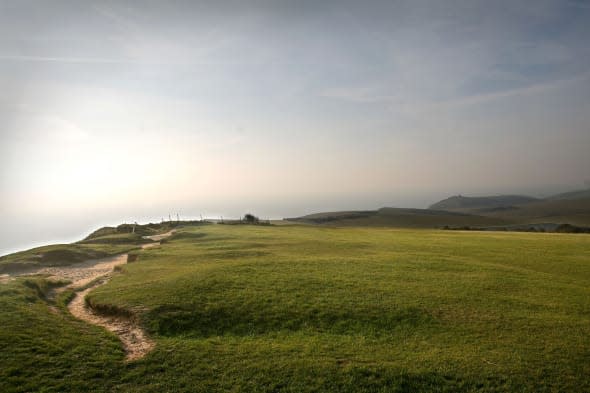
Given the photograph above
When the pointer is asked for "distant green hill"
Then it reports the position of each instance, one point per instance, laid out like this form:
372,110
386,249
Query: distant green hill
566,208
559,211
508,211
463,203
399,217
579,194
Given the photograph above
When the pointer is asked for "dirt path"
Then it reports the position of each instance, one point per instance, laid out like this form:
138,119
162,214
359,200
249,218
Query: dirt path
98,272
83,273
159,237
135,341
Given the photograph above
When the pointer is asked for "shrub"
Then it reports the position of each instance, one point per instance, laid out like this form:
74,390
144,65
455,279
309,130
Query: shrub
251,219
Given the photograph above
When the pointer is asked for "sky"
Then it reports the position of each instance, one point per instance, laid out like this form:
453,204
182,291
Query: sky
122,111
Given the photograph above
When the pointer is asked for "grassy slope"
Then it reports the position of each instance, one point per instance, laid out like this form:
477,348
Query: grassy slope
573,211
578,194
421,218
572,208
44,350
101,243
401,218
59,255
353,309
323,309
461,203
116,238
138,230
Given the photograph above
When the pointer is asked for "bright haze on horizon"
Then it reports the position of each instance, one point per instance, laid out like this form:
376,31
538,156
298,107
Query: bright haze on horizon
117,111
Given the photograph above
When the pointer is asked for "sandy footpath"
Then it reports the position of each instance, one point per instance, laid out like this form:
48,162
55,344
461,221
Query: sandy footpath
81,274
98,271
135,341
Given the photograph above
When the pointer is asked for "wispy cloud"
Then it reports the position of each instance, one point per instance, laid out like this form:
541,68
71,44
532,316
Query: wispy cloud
123,23
366,94
65,59
538,88
373,95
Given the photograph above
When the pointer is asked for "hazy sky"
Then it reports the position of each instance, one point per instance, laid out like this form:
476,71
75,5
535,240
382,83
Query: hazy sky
114,111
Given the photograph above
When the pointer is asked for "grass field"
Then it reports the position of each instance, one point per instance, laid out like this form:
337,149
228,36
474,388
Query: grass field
307,309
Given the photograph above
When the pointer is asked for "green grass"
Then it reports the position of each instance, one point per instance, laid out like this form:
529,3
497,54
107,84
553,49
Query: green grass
137,231
302,309
61,255
44,349
558,210
104,242
116,238
573,211
399,218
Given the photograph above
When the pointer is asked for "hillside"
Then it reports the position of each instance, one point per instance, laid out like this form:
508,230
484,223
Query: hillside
508,212
103,242
134,230
566,208
299,308
399,217
559,211
463,203
579,194
59,255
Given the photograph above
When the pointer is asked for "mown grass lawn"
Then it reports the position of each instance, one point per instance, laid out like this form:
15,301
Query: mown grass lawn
297,308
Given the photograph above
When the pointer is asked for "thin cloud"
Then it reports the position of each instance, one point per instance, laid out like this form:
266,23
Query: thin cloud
523,91
371,94
66,59
356,94
125,24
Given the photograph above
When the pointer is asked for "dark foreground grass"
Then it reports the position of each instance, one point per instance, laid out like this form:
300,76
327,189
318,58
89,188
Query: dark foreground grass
296,309
45,349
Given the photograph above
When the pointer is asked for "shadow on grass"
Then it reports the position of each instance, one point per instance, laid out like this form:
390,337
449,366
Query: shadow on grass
187,235
171,320
387,380
237,254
